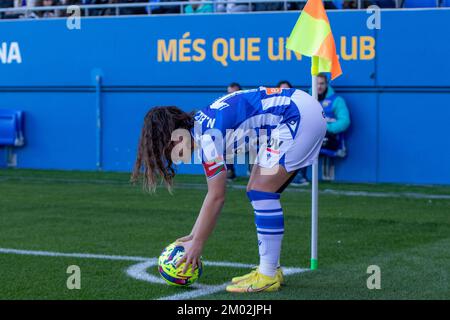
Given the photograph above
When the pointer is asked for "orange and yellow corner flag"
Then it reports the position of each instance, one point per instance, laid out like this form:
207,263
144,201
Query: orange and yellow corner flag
312,37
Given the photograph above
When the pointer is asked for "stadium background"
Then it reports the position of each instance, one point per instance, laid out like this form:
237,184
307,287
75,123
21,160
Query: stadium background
395,83
85,92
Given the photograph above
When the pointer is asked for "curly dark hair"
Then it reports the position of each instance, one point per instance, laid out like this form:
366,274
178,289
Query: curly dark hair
155,146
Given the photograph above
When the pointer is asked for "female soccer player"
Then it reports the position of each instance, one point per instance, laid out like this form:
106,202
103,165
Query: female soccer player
293,126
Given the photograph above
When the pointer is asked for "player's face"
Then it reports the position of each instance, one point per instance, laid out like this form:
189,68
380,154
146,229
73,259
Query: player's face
321,85
284,86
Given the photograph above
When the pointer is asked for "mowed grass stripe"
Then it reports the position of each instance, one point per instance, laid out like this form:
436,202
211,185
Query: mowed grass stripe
122,178
240,186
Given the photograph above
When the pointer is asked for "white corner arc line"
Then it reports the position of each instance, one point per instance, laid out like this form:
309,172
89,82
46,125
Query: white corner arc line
195,293
139,271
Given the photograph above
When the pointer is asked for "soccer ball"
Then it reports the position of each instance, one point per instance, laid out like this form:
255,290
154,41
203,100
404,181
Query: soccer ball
170,273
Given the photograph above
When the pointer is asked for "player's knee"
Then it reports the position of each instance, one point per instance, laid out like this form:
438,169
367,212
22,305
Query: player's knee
217,197
263,187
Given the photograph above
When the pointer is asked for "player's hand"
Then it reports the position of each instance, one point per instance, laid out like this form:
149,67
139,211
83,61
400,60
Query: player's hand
192,252
185,238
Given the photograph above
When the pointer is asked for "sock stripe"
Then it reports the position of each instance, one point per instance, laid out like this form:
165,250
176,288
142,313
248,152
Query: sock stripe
269,214
271,233
269,210
265,204
269,222
270,229
262,195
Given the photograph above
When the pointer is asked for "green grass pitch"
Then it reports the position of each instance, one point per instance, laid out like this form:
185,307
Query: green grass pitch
406,235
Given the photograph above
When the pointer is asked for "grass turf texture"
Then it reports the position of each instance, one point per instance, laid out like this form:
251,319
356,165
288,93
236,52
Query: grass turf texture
89,212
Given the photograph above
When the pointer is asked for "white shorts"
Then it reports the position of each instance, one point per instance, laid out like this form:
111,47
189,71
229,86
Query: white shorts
301,150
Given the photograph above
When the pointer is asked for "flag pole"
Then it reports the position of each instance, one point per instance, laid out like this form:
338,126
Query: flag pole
312,37
315,178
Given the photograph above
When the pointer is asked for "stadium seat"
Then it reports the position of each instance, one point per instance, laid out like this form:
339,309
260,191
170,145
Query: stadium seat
11,128
328,156
445,3
341,152
420,3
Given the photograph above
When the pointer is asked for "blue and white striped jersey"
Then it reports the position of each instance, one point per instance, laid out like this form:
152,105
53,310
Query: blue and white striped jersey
249,109
239,112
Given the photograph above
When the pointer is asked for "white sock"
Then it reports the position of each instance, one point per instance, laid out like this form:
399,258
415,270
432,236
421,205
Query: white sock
269,253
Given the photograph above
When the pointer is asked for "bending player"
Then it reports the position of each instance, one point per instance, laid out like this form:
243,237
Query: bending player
297,127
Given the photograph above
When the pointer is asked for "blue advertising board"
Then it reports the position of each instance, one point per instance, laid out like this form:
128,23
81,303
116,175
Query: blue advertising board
395,82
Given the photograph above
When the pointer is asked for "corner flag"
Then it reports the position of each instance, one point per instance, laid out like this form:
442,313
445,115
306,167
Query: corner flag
312,37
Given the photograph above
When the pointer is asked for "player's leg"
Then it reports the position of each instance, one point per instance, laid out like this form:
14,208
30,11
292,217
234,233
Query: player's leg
279,273
276,166
263,191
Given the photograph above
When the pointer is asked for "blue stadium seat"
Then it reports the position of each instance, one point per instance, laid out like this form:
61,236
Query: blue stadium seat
11,128
420,4
340,153
445,3
329,155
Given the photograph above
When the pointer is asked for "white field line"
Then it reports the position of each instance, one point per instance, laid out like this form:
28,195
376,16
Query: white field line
410,195
74,255
139,271
199,186
196,293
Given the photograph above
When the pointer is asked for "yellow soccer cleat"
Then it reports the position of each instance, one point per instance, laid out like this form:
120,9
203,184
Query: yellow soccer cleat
279,275
256,282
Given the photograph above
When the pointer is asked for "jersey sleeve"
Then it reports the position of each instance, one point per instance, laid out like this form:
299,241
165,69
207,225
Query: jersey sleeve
212,156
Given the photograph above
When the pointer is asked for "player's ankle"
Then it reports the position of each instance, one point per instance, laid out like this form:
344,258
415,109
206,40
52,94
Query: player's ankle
267,270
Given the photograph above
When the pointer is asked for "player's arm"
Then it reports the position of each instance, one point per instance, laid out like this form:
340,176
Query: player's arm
212,205
215,196
207,218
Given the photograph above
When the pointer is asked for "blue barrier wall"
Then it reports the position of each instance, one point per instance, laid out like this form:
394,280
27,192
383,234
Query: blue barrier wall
395,82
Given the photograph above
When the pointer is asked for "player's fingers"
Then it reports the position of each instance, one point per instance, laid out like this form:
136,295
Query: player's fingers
183,259
188,262
194,265
198,264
